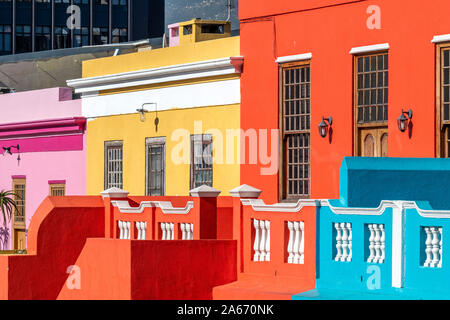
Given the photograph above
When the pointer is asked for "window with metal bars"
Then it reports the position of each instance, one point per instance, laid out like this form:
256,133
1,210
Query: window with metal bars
201,160
57,190
113,164
372,88
444,101
156,166
19,198
296,123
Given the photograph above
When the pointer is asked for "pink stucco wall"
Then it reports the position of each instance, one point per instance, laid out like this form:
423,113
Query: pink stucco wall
46,154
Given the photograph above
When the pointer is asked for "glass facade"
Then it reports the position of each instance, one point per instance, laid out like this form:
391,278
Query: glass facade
38,25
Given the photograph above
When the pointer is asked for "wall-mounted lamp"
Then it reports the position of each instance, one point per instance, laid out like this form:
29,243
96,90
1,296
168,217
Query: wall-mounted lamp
8,151
323,126
143,111
403,121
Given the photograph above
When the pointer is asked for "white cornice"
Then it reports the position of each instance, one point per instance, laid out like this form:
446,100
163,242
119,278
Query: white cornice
195,70
166,207
441,38
294,58
368,49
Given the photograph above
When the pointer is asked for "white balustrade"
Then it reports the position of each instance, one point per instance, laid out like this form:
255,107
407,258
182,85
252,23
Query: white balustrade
377,243
124,229
141,229
433,247
344,242
167,229
186,231
337,226
296,246
261,244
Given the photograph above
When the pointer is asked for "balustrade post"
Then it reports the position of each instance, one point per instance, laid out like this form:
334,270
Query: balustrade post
242,192
108,196
205,205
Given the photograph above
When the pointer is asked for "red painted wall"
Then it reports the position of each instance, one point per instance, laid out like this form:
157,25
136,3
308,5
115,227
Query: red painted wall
270,29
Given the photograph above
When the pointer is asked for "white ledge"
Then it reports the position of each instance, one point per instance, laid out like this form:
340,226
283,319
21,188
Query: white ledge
259,205
166,207
216,67
368,49
441,38
294,58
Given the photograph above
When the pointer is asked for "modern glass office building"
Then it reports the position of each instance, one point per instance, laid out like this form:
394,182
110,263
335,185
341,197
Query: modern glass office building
37,25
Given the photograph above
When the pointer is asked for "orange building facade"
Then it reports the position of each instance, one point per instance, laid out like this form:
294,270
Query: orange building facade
359,62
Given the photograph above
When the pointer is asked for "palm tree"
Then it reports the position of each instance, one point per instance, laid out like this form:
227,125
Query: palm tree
7,204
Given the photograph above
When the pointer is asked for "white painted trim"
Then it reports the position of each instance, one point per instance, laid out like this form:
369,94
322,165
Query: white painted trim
216,67
368,49
166,207
259,205
294,58
441,38
398,235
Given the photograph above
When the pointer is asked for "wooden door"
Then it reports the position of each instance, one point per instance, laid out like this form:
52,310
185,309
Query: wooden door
19,239
373,142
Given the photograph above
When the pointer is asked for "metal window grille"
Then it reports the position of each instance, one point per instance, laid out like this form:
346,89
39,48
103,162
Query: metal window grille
156,159
114,168
296,104
201,160
19,190
372,88
57,190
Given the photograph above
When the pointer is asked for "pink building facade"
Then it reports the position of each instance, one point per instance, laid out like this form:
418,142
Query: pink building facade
47,127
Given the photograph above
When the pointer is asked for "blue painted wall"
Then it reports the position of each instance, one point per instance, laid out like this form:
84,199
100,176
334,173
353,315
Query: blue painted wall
367,181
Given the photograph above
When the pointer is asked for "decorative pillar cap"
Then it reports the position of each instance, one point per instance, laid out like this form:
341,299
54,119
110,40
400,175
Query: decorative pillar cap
205,191
114,193
245,191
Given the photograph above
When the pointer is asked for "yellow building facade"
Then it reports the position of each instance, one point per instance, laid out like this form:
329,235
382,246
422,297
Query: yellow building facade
163,121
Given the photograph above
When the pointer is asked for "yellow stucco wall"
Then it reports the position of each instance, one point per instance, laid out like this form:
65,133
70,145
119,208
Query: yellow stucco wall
198,51
133,133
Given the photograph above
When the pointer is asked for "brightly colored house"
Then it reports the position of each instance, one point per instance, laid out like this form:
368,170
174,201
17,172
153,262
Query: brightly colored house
165,121
360,63
42,139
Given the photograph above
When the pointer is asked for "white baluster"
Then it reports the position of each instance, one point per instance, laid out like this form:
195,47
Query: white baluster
267,225
428,247
383,243
120,224
350,242
440,248
191,231
344,242
435,250
164,232
138,228
128,230
262,242
290,247
338,242
302,243
172,231
371,244
296,242
183,231
257,239
377,243
144,231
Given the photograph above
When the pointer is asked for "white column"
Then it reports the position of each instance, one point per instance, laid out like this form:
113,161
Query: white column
120,224
262,243
267,225
296,242
435,250
257,239
377,243
338,242
144,231
371,244
350,242
138,228
302,243
344,242
164,232
290,248
172,231
183,231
